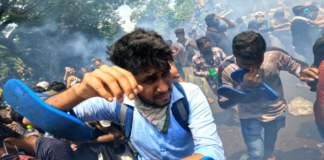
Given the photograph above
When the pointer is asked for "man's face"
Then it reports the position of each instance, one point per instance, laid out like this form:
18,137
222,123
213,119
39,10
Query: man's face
206,49
157,87
247,64
97,63
216,22
181,37
194,33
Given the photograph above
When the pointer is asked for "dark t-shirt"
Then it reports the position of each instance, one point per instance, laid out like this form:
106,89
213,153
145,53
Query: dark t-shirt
219,39
301,33
53,149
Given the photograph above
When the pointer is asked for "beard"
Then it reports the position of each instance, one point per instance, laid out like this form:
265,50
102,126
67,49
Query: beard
149,103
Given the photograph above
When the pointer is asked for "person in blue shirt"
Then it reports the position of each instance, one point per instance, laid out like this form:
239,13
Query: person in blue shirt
142,79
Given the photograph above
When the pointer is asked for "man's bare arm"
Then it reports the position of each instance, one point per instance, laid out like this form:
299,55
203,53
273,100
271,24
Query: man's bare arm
66,100
106,82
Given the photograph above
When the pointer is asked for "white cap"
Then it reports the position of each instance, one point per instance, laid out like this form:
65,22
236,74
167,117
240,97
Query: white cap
43,84
105,123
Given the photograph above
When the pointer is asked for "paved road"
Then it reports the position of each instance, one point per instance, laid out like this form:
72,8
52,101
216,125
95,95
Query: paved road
297,141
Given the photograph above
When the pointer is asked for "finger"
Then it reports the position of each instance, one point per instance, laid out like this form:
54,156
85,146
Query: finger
314,70
97,85
130,77
312,73
122,80
307,79
103,79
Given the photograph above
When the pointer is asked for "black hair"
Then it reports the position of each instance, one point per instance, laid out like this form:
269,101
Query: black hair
318,50
179,31
6,132
57,86
97,60
193,31
313,8
15,116
239,20
169,42
298,10
209,19
201,42
249,45
38,89
140,51
254,25
279,14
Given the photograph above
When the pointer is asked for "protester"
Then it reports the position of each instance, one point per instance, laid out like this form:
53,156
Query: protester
41,148
68,72
240,26
183,50
216,32
145,78
283,34
195,35
263,25
302,32
261,117
318,50
208,58
176,64
98,63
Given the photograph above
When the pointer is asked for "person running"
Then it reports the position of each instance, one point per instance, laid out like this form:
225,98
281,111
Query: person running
260,119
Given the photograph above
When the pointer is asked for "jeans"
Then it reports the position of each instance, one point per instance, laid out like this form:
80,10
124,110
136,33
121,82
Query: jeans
260,137
320,129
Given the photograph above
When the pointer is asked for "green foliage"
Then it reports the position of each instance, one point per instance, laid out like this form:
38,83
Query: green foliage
159,16
44,28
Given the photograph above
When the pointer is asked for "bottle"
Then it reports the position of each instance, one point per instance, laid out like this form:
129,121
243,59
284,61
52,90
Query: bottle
212,73
31,130
48,135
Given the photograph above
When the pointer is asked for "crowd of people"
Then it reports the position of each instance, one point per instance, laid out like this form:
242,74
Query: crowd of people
154,78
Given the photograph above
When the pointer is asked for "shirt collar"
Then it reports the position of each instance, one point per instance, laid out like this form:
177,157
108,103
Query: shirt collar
175,96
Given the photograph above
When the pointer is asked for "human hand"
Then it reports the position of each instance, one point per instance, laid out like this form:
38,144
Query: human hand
220,15
72,78
108,82
309,74
252,78
320,17
180,48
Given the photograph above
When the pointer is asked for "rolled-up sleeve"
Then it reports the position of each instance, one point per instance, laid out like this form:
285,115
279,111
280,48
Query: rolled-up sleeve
203,128
96,109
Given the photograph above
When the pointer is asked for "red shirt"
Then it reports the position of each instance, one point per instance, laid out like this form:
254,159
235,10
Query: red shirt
320,84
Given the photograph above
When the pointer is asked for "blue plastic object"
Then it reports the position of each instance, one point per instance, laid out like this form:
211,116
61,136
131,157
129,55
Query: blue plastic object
58,123
264,90
206,158
229,92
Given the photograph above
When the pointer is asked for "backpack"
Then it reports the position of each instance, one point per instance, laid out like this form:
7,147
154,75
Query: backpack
125,113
